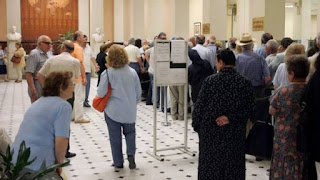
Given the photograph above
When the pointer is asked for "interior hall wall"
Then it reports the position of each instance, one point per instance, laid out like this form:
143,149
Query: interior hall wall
292,23
257,9
108,20
96,16
195,14
84,15
3,20
41,17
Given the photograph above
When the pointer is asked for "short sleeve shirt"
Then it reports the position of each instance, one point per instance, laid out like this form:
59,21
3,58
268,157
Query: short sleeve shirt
88,54
78,54
133,53
46,119
35,61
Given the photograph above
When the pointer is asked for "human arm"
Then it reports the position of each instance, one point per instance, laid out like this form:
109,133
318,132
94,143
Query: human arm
61,144
103,84
137,87
40,79
19,52
30,81
94,62
274,103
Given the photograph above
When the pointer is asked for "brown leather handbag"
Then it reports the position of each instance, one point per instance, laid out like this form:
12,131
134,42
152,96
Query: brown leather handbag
15,59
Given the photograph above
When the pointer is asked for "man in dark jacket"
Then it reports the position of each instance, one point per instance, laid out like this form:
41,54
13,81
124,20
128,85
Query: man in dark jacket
197,72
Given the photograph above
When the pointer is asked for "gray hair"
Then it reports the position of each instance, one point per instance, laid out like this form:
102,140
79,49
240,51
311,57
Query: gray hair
42,38
131,41
273,45
247,47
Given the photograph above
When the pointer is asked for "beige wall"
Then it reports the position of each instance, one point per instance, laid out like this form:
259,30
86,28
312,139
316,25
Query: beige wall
108,20
96,16
195,14
3,20
275,18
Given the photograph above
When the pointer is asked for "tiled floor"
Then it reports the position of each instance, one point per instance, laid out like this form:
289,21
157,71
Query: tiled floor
91,143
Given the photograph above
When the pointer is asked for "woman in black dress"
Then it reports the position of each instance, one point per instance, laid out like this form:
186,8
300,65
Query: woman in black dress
225,103
101,58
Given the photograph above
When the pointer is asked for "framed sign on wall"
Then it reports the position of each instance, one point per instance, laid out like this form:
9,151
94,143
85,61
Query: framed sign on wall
197,28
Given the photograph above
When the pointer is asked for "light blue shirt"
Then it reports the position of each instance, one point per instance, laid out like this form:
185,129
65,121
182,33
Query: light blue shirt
252,66
126,92
205,54
213,49
47,118
281,76
262,51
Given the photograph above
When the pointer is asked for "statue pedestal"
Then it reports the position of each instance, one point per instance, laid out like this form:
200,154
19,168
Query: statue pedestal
11,49
96,48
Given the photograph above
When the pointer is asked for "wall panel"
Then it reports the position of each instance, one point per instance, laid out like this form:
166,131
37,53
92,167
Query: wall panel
48,17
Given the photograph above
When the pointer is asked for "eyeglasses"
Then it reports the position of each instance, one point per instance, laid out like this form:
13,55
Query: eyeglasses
47,43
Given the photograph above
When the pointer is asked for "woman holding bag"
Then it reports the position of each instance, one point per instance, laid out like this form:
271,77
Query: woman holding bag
121,110
19,66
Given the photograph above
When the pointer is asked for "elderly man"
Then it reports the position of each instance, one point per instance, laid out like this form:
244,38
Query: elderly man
232,45
204,52
81,81
271,51
134,56
211,45
62,62
264,39
34,63
312,59
253,67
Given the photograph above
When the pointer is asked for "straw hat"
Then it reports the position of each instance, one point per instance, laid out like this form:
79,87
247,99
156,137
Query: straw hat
245,39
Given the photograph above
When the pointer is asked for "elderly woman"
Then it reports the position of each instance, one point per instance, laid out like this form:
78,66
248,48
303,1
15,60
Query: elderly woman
287,162
121,110
280,77
45,126
19,66
225,103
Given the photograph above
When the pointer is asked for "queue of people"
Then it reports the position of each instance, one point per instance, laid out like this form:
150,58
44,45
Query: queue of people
226,88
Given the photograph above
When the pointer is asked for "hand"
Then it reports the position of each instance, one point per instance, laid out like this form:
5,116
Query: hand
34,96
97,68
222,120
84,81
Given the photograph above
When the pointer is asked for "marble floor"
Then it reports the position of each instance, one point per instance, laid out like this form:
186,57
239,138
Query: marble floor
91,143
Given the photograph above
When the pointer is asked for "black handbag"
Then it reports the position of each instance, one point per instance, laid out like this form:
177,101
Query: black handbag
260,140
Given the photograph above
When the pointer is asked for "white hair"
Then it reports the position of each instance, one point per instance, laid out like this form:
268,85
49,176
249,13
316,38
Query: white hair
273,45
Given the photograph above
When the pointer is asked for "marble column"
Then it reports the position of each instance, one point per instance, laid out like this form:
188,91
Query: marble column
306,25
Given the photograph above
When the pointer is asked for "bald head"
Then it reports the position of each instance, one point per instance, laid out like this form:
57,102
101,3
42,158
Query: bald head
67,46
201,39
212,39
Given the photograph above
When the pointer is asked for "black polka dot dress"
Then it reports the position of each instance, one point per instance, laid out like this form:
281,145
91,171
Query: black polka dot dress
222,148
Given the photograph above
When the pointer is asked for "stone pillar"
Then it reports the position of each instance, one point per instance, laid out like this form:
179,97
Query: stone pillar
96,17
137,19
218,19
306,25
243,18
119,19
274,19
108,20
84,17
179,18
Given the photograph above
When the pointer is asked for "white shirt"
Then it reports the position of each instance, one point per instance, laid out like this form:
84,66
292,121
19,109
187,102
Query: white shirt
281,76
205,54
150,53
133,52
61,62
87,55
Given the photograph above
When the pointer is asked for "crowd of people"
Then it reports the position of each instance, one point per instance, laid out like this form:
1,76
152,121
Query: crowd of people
229,89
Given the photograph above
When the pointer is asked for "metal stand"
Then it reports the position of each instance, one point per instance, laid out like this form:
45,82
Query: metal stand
184,148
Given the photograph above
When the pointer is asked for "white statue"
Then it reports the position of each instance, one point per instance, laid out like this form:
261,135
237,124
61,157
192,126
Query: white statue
12,38
13,35
97,41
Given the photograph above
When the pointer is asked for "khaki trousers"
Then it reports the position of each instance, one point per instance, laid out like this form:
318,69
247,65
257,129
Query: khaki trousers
177,102
79,93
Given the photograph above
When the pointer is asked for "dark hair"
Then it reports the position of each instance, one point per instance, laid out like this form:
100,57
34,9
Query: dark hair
137,43
161,34
200,39
56,81
103,47
85,36
285,42
317,63
226,56
266,37
299,65
76,35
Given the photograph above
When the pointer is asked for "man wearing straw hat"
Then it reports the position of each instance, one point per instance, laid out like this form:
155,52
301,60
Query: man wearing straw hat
255,68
